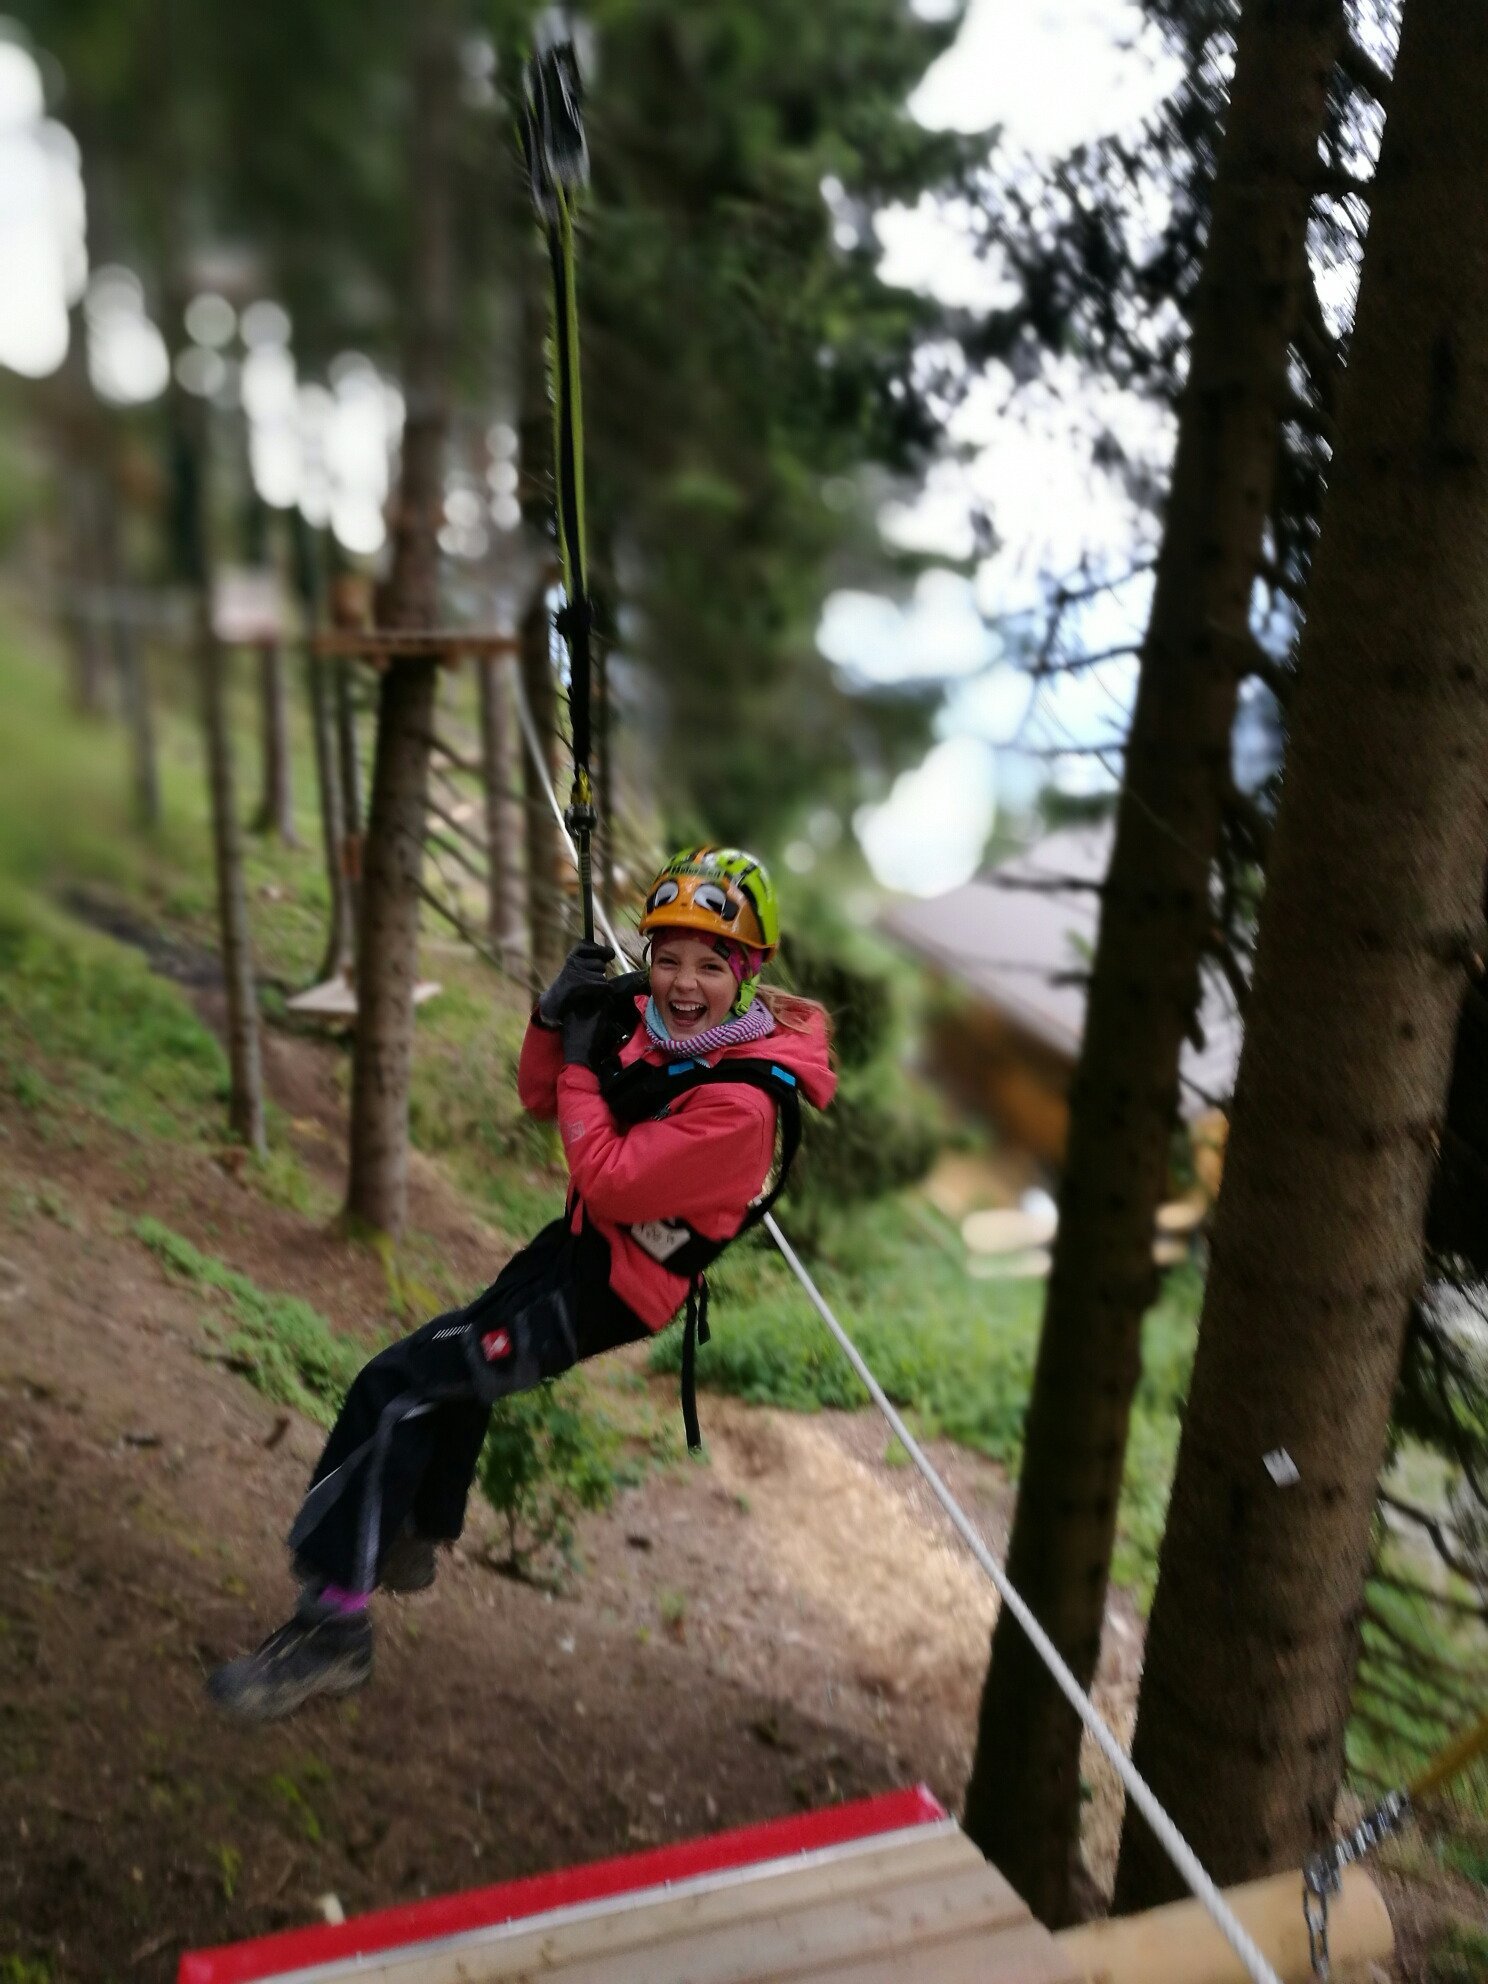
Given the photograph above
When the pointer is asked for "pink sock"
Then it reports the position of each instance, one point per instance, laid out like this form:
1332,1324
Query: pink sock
342,1600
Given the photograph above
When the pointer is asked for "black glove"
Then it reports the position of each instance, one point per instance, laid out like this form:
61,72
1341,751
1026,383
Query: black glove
583,969
582,1014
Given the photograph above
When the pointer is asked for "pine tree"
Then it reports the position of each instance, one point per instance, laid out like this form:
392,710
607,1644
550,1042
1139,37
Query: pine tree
1375,892
1023,1799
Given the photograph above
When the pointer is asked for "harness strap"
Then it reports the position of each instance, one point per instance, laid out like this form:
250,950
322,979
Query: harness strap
695,1331
642,1091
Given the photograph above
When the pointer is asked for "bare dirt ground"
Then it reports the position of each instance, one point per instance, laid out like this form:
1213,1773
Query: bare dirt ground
786,1626
783,1627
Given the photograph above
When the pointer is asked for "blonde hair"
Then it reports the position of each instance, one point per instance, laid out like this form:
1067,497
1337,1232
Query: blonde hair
794,1012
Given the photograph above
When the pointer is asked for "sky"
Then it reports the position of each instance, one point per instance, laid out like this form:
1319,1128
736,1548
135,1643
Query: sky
1050,72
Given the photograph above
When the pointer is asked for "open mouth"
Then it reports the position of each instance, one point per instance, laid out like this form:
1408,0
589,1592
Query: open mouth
685,1013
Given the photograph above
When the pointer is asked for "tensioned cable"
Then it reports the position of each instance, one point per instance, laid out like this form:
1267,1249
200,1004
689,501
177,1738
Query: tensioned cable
1177,1848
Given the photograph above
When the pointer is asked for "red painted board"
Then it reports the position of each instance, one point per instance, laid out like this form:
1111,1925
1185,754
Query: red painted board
511,1901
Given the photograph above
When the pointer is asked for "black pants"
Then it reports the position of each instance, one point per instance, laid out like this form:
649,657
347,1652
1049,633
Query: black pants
405,1445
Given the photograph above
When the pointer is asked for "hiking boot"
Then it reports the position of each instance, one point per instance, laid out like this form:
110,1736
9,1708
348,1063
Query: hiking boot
408,1564
318,1652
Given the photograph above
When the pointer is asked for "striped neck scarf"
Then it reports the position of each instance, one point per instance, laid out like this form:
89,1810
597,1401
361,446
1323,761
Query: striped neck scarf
754,1024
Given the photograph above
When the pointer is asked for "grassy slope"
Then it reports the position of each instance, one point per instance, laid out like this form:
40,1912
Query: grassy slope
88,1031
85,1018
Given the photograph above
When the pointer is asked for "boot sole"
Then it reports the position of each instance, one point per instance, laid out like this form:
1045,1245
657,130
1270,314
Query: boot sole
273,1703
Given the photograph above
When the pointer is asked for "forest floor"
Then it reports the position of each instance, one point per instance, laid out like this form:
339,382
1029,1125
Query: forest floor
782,1627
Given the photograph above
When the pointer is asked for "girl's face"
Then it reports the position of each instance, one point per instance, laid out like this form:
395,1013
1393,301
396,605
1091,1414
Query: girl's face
692,985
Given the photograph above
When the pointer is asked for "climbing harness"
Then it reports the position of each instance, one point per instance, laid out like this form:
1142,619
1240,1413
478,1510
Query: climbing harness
1322,1877
557,156
640,1093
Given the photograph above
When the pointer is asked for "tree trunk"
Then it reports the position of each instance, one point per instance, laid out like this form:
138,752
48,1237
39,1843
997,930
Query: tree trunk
134,691
246,1103
546,856
1374,903
84,608
1023,1799
506,901
387,946
349,766
340,952
387,949
117,625
275,813
85,515
246,1108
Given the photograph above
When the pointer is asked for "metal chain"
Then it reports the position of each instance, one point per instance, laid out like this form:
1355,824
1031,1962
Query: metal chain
1322,1877
1315,1914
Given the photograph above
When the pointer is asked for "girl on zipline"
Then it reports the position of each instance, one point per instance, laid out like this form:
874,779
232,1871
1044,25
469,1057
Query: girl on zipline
669,1135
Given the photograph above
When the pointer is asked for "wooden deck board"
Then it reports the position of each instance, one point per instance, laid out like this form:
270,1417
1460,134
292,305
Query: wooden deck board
734,1899
886,1891
881,1911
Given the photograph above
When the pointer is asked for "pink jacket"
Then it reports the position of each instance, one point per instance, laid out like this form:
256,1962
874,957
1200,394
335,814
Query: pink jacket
703,1162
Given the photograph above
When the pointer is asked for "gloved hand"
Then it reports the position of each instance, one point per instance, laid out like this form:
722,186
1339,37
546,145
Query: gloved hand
581,1019
583,969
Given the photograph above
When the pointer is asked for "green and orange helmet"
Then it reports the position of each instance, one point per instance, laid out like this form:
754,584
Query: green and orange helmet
718,892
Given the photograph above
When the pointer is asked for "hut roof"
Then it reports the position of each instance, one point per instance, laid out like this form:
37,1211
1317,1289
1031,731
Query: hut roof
1021,937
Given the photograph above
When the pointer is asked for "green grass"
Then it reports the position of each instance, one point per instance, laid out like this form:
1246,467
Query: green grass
550,1453
284,1348
955,1353
87,1023
84,1021
65,808
1461,1956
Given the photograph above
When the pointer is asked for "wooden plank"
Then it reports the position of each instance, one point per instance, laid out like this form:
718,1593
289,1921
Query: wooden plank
1181,1942
892,1919
1026,1954
638,1925
336,1001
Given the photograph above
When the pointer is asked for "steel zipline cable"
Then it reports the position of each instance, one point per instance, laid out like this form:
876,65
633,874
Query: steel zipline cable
557,156
1137,1789
557,159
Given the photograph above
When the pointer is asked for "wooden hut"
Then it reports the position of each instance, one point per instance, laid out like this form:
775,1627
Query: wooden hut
1017,942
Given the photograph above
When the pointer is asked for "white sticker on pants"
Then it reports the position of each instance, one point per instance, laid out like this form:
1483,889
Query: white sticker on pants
661,1238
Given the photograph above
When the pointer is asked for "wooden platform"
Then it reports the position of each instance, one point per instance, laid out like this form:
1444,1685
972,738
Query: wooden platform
335,1001
885,1891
